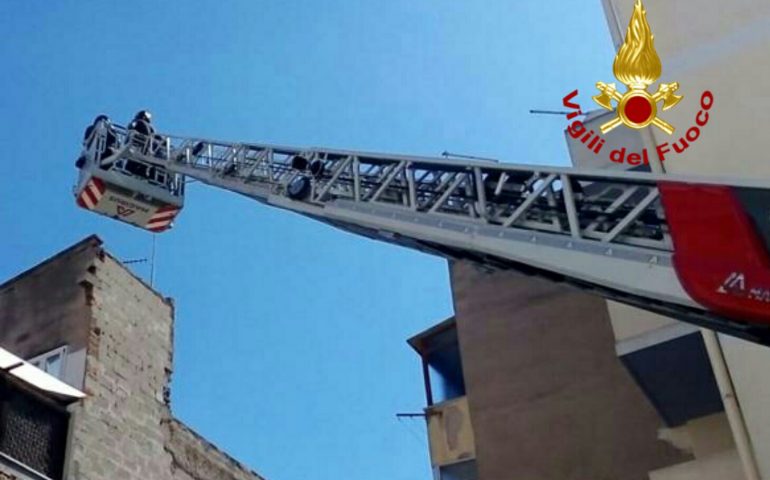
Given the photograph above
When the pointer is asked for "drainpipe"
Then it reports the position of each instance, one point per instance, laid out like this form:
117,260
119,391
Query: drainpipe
730,401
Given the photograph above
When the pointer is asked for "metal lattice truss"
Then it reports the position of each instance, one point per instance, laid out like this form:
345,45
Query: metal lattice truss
600,207
605,231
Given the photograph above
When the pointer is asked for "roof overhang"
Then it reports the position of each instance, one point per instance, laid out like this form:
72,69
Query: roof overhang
422,344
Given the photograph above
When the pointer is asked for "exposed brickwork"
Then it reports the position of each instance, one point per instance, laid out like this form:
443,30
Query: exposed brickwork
124,429
117,430
199,458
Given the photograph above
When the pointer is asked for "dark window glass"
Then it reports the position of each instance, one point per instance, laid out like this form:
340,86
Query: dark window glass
445,366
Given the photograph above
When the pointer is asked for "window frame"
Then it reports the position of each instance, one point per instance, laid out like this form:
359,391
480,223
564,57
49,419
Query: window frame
41,361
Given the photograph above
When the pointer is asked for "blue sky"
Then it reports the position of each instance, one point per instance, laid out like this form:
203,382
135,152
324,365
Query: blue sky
290,335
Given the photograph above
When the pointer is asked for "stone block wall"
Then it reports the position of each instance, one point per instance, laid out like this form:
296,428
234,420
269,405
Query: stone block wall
117,432
124,429
199,459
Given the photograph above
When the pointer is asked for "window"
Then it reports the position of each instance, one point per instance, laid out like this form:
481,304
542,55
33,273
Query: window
51,362
446,372
445,366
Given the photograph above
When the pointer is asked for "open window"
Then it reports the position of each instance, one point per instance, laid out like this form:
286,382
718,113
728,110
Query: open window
442,362
52,362
450,432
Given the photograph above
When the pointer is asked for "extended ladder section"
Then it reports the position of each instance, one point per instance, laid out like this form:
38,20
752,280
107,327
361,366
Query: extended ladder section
691,248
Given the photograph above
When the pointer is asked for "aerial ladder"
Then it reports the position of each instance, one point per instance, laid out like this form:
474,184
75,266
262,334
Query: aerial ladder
692,248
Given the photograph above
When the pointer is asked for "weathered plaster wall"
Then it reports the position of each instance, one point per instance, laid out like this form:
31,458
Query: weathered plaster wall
549,398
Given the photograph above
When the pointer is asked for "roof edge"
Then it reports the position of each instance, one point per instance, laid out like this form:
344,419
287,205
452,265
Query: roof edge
92,241
174,422
167,300
416,341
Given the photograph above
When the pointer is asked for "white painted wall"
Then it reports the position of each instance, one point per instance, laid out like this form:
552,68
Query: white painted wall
749,366
721,466
709,440
719,46
723,47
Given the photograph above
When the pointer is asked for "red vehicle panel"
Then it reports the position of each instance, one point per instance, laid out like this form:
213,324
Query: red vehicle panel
719,255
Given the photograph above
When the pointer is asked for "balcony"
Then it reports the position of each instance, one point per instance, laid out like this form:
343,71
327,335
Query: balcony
450,432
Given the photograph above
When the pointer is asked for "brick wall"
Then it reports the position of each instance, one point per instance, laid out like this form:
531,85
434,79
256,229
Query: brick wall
124,429
117,430
199,458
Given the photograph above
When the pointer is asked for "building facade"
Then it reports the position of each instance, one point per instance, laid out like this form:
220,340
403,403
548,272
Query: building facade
86,319
559,385
707,46
525,382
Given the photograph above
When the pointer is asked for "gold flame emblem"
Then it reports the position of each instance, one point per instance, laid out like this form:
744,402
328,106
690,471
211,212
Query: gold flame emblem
637,66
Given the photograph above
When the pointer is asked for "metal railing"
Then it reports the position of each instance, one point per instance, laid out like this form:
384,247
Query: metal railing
130,153
588,206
